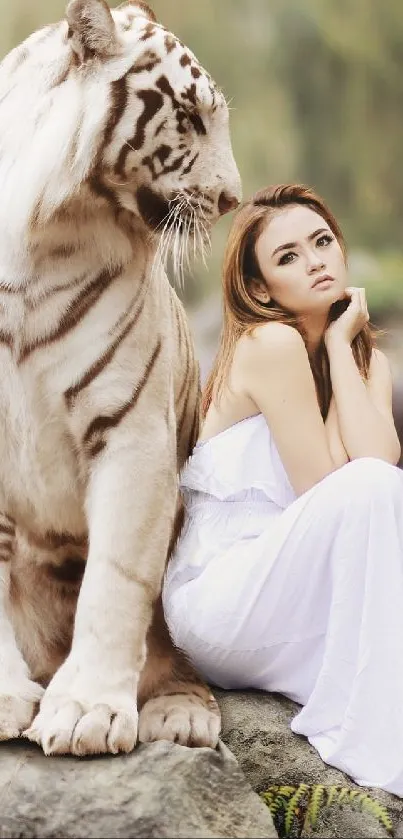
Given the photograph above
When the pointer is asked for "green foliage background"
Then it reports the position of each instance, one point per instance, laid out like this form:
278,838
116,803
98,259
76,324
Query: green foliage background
316,92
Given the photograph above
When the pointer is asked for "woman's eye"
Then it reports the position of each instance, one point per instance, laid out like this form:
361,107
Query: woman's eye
286,258
324,240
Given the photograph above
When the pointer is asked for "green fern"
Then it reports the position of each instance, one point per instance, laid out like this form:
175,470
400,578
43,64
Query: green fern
296,808
318,797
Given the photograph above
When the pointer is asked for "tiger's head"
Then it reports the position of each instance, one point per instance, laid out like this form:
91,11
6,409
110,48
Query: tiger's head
111,105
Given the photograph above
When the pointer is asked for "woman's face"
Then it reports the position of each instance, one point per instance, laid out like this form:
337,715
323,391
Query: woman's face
301,261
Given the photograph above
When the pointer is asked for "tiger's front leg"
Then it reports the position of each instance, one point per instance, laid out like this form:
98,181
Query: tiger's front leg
90,706
19,694
175,702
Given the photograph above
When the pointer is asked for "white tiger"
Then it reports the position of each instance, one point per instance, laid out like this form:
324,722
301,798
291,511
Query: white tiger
114,144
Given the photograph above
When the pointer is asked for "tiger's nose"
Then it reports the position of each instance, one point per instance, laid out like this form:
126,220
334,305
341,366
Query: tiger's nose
227,202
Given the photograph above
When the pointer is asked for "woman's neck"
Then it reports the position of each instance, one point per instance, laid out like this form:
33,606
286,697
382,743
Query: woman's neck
314,329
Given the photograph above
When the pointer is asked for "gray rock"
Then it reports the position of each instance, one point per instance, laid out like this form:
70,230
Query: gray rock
256,727
160,790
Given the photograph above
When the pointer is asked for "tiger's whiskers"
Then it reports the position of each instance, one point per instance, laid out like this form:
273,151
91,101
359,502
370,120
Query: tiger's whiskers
183,232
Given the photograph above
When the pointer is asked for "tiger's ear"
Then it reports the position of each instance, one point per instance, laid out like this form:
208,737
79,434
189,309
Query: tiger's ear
92,30
143,8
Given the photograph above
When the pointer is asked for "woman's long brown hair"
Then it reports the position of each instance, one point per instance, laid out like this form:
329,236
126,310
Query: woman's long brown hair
242,312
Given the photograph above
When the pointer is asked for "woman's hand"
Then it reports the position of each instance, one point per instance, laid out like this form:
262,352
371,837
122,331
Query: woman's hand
347,326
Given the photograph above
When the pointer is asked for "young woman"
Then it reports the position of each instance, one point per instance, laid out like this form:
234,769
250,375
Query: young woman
288,574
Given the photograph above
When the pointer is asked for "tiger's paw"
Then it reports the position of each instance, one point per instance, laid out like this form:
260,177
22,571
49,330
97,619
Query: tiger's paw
65,726
18,705
181,718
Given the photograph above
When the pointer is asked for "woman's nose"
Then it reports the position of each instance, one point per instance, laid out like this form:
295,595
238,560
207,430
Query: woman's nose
315,263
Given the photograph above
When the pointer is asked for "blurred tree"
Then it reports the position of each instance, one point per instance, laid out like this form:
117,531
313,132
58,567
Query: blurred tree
343,70
316,95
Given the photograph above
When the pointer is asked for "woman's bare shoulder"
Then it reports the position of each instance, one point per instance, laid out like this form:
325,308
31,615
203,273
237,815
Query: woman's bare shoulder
270,341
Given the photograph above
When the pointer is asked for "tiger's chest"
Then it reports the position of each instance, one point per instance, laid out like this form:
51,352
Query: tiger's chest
40,480
66,363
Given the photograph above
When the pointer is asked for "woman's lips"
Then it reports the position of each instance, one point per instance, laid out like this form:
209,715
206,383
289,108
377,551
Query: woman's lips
323,282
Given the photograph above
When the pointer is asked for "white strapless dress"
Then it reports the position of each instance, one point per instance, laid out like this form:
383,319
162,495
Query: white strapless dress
303,596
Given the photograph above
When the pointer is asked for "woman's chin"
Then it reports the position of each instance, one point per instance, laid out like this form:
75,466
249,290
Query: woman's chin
341,294
331,296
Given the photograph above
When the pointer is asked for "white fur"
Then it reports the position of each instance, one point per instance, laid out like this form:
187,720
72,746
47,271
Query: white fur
124,498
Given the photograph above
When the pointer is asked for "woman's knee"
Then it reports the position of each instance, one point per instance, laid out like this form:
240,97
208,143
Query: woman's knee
367,477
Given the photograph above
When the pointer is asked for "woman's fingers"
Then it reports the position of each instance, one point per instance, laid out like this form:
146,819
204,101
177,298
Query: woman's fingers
358,298
364,304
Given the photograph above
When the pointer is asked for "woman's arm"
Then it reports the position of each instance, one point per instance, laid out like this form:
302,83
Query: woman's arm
364,409
335,441
276,375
